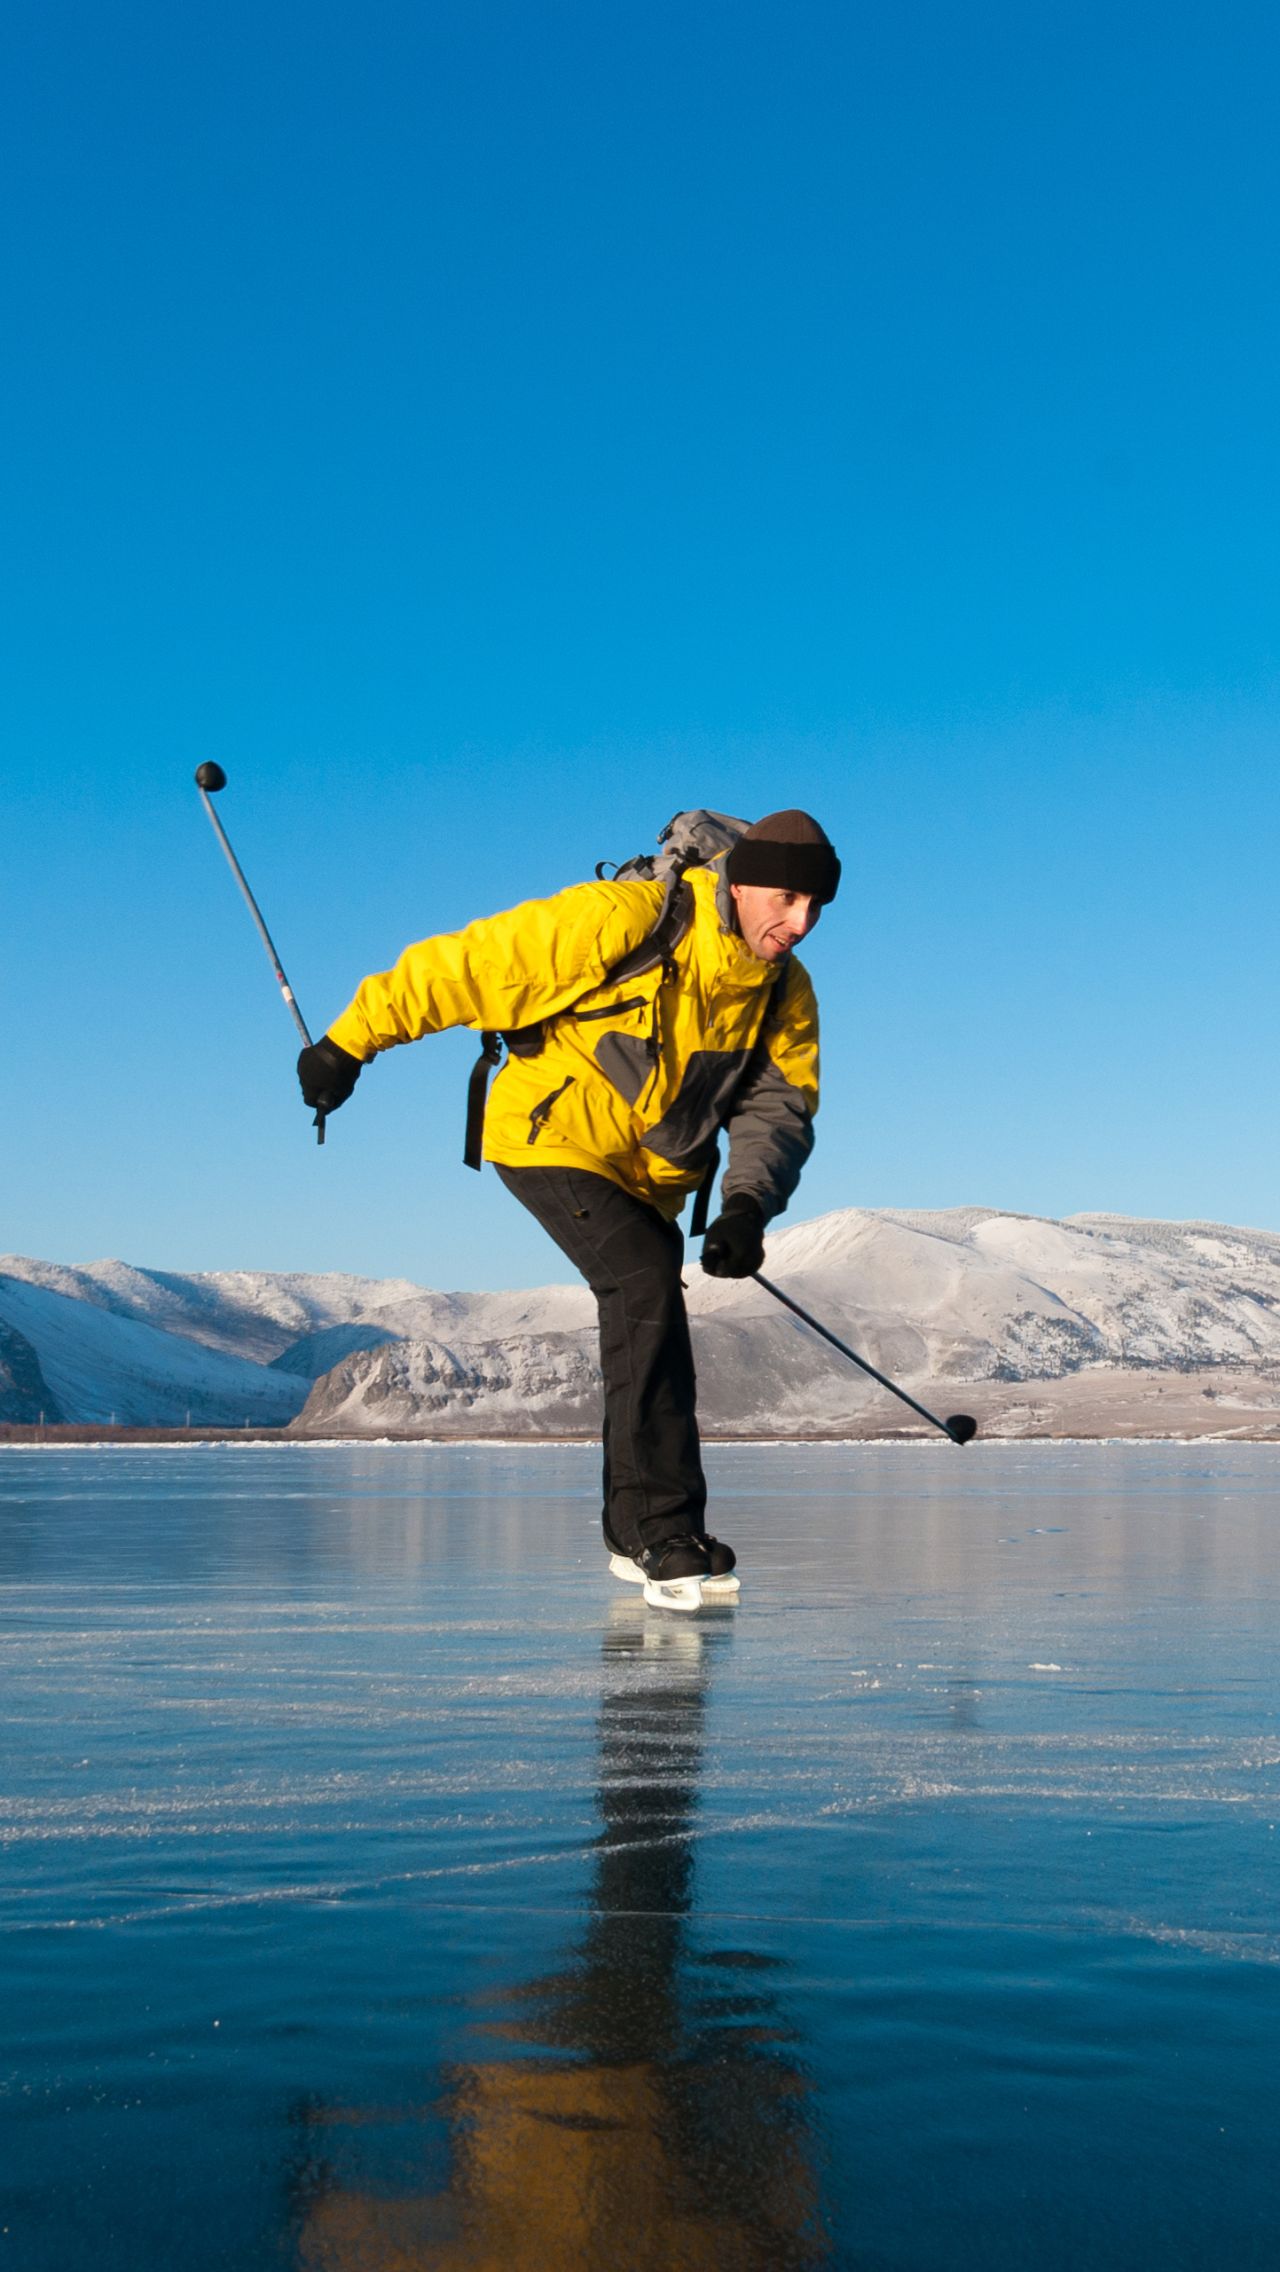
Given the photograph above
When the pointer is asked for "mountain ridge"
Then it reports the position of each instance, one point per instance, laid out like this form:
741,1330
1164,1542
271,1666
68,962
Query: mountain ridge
1002,1301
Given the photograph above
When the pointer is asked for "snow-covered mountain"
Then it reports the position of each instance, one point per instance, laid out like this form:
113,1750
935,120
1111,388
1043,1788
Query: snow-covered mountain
1058,1326
69,1360
265,1314
545,1384
88,1342
973,1294
966,1297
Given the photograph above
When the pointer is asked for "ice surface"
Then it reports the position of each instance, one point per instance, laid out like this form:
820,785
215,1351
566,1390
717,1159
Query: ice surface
382,1887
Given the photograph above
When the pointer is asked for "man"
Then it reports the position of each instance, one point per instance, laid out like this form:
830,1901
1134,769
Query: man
606,1116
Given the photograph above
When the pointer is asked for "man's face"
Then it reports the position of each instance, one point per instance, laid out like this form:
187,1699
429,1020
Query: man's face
773,921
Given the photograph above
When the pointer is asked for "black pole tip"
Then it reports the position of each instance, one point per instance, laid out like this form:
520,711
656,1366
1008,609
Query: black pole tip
961,1428
210,777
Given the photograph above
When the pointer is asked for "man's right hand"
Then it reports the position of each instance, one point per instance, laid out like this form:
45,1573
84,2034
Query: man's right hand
327,1074
734,1244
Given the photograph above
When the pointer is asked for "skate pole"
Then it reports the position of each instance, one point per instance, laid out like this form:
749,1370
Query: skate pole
210,778
960,1427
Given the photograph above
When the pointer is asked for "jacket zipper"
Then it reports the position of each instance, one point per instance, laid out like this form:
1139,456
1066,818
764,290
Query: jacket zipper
538,1117
653,1040
610,1010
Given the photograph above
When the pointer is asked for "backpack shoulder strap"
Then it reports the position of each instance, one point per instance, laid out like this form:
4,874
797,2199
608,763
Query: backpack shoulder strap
663,937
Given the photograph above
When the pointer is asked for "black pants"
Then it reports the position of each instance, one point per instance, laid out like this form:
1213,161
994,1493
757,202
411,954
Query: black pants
630,1256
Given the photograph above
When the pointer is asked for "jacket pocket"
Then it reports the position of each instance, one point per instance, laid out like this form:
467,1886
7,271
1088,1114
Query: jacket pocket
627,1060
538,1116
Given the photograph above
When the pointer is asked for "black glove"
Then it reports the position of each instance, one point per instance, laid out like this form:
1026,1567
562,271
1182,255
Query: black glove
328,1075
734,1244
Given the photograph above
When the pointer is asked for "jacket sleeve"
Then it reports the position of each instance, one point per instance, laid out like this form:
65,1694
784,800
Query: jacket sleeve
506,970
771,1124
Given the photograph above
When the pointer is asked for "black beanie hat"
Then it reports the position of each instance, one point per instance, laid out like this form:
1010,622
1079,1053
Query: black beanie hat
789,852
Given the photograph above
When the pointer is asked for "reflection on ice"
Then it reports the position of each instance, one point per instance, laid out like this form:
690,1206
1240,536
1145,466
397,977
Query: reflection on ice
649,2105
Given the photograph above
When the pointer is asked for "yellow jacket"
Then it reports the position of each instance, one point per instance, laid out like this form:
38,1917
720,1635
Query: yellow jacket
634,1078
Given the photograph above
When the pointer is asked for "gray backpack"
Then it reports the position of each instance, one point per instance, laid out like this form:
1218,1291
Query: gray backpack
689,840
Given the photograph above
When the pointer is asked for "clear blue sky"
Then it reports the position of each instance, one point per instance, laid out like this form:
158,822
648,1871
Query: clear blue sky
486,429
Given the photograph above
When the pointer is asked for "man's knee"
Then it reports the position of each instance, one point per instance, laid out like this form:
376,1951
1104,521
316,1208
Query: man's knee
643,1258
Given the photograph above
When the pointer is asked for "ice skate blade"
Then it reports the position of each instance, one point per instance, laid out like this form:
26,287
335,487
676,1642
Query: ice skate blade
722,1589
673,1593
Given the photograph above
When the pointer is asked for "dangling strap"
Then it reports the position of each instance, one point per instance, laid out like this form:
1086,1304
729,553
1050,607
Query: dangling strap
477,1086
702,1197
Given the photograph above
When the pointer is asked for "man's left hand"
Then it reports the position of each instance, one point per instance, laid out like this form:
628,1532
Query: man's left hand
734,1244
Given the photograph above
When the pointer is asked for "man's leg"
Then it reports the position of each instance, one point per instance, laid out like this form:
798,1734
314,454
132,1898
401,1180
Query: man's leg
630,1257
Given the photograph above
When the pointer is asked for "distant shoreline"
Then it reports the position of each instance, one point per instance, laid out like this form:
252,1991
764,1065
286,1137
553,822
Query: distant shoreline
21,1436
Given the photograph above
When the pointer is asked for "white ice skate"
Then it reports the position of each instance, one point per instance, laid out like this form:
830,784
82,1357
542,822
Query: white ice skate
680,1575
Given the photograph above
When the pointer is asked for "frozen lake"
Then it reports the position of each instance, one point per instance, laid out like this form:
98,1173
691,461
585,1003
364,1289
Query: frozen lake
384,1887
